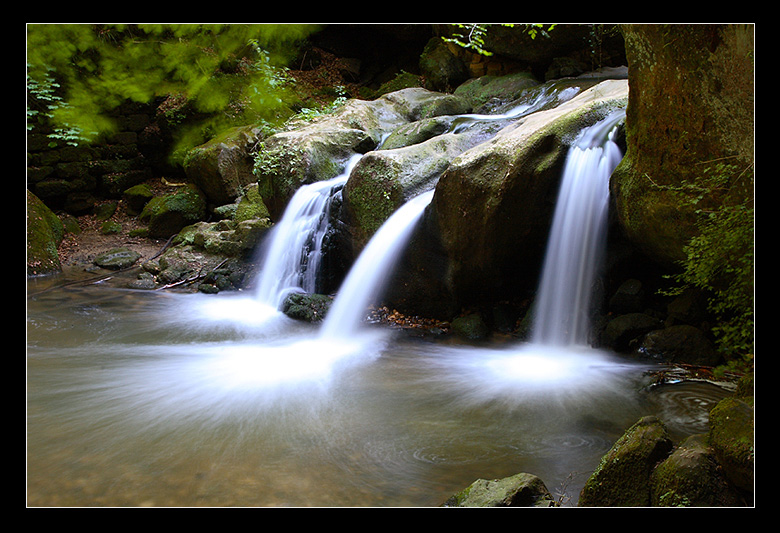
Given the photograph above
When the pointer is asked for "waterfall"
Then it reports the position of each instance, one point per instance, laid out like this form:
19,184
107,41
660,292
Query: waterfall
368,276
577,237
293,253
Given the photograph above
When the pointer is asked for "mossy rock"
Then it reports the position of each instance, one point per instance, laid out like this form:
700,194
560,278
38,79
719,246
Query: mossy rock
307,307
622,478
691,477
732,432
44,233
167,215
520,490
117,258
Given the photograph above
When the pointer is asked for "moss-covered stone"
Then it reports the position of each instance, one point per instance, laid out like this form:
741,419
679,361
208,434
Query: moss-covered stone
44,233
691,477
167,215
622,478
520,490
692,89
117,258
732,433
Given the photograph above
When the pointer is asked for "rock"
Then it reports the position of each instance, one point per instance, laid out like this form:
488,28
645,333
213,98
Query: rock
690,103
167,215
481,91
732,431
117,258
442,68
691,477
318,150
624,331
690,307
137,197
44,233
307,307
223,165
629,298
520,490
681,344
384,180
494,203
622,478
470,327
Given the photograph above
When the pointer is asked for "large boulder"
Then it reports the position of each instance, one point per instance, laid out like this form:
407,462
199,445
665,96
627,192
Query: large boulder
493,205
222,166
690,110
622,478
692,477
732,437
44,233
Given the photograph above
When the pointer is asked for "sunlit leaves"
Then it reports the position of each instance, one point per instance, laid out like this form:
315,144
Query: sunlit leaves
225,71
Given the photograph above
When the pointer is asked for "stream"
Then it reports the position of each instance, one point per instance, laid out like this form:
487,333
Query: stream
139,398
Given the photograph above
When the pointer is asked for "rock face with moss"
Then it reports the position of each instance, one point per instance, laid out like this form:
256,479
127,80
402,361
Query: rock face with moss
44,233
690,107
167,215
222,166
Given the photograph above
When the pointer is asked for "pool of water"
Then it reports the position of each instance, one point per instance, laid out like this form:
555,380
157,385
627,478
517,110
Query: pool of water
139,398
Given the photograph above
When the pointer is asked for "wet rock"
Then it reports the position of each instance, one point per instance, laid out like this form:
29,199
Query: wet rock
732,432
622,478
691,477
681,344
624,331
307,307
470,327
520,490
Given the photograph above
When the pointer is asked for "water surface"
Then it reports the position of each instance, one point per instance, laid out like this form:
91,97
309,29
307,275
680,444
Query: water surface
141,398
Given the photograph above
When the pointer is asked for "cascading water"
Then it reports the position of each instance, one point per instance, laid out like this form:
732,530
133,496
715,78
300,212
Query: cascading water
368,276
293,254
577,237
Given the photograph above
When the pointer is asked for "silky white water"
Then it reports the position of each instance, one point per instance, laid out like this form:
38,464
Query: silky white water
577,238
369,275
292,256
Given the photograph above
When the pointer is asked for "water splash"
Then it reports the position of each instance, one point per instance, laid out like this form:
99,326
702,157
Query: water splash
577,237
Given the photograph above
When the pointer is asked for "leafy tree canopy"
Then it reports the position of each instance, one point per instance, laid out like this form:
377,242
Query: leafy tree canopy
225,72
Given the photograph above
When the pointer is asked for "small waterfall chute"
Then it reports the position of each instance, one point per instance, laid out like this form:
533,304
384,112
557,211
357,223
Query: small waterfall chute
292,259
577,237
369,275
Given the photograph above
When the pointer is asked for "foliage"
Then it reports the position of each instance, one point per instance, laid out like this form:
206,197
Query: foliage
474,38
720,259
226,73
